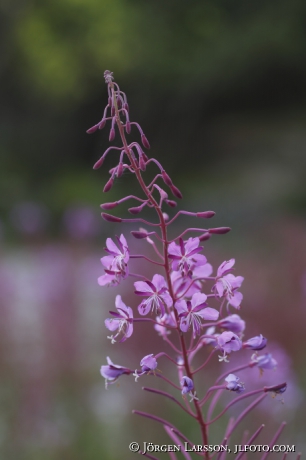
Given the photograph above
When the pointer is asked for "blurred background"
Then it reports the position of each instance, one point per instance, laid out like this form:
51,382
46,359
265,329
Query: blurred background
219,87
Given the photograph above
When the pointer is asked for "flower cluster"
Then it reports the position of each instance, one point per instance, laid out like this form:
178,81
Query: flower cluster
187,299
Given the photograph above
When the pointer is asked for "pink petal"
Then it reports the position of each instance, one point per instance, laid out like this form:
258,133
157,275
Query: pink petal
210,314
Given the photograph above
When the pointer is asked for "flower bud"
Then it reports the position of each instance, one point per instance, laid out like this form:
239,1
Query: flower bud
166,179
176,191
98,164
139,235
128,127
102,123
110,218
108,185
126,106
92,129
171,203
109,205
204,236
206,214
145,141
119,170
112,134
219,230
142,163
136,209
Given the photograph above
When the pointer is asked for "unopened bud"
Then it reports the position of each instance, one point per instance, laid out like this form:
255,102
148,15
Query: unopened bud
102,123
206,214
92,129
145,141
128,127
109,205
145,157
126,106
135,210
219,230
204,236
139,235
119,170
166,179
110,218
142,163
99,163
176,191
108,185
112,134
171,203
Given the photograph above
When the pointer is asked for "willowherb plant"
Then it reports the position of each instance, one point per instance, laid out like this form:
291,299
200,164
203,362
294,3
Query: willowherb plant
174,301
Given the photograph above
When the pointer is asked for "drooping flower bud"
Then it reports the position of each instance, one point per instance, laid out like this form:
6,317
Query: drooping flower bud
219,230
107,206
92,129
108,185
171,203
112,134
256,343
102,123
204,236
139,235
128,127
176,192
145,141
110,218
166,179
206,214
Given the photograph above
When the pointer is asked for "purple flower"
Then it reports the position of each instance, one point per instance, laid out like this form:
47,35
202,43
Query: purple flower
265,361
157,293
185,255
227,284
148,363
228,342
232,322
186,384
233,384
191,312
256,343
163,321
116,263
111,372
123,321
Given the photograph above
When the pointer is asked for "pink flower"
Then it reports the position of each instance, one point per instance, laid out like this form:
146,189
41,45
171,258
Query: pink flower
191,313
111,372
116,263
157,293
228,342
185,255
123,321
227,284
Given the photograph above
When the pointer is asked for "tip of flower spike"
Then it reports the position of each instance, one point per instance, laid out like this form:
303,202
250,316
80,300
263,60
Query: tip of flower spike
108,75
206,214
110,218
219,230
